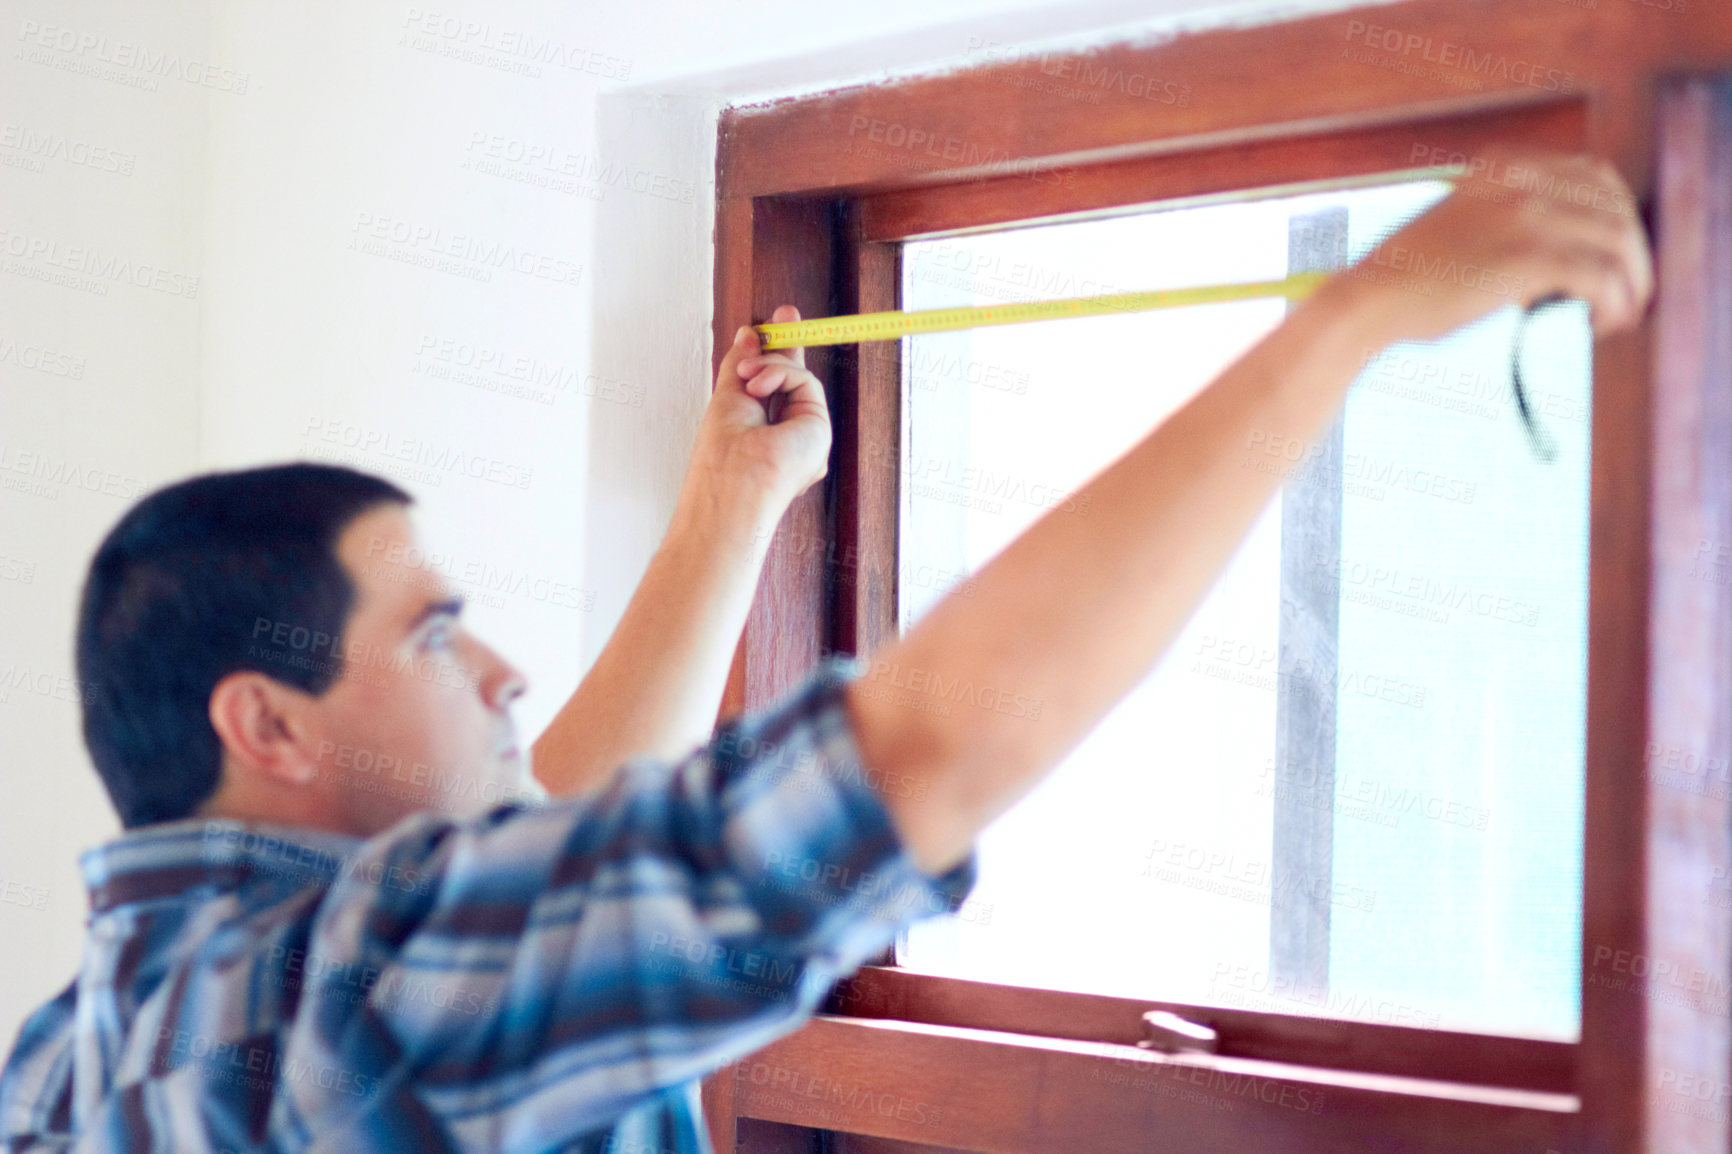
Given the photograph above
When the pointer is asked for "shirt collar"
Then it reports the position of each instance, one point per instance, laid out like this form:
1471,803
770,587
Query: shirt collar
166,859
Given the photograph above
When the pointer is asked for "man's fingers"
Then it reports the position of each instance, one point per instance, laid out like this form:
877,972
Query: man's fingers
767,380
1613,294
802,392
768,376
753,368
1639,255
748,363
1599,202
745,345
1609,254
806,398
1594,273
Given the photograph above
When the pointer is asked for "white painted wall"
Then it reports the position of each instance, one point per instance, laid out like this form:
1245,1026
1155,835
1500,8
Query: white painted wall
101,181
354,188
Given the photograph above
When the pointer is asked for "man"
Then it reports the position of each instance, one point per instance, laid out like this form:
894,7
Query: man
329,928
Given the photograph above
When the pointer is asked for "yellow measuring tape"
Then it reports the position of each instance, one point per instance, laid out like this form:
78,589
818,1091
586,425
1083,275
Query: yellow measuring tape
889,326
892,325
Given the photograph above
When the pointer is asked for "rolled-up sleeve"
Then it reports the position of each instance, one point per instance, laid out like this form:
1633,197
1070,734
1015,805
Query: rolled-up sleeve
540,970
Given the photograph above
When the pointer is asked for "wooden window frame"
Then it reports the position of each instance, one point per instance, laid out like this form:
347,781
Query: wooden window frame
812,201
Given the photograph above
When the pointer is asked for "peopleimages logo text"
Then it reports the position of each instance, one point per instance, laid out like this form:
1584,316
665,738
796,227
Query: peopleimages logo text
955,150
1460,58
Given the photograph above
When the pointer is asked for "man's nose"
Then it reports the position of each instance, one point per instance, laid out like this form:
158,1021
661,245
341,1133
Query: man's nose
501,683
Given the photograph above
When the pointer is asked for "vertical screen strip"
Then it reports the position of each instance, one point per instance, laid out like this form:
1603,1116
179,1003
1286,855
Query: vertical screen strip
1301,866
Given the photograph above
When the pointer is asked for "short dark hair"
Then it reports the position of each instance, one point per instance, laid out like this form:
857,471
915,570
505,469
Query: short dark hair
171,606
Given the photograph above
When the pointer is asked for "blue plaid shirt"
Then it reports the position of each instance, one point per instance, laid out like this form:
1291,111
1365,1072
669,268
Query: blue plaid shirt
544,977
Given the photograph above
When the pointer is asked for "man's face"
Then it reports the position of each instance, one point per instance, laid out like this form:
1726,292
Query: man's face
418,720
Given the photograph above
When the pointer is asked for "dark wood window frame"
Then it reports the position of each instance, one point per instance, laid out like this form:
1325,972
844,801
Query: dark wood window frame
814,195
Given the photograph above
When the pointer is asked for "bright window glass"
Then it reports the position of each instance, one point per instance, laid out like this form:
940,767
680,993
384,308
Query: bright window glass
1144,865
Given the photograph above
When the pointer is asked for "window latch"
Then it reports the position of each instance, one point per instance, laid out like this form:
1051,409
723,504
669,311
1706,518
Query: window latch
1169,1033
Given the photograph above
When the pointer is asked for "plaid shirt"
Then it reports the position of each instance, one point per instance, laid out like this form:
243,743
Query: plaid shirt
543,977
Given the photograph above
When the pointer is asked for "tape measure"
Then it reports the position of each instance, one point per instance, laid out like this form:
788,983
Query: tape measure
893,325
890,326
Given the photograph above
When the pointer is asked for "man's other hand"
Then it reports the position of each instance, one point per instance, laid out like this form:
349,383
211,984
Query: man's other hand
1519,226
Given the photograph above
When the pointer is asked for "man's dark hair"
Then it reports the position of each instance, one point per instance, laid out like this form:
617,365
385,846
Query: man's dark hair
173,604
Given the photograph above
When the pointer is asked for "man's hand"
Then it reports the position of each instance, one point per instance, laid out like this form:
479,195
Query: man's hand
767,428
1488,245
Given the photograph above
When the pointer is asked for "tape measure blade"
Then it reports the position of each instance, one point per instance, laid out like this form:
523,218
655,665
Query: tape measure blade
886,326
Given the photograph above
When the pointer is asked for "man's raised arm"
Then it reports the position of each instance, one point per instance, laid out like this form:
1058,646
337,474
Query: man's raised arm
656,686
1076,611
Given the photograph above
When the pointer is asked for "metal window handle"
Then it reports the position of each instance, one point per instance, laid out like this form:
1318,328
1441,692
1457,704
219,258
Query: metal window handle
1172,1034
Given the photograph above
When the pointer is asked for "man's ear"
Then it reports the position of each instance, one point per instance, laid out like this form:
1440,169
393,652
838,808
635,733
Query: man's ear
262,728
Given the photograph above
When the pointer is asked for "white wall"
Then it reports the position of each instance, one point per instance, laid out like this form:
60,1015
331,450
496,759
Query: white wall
101,181
337,156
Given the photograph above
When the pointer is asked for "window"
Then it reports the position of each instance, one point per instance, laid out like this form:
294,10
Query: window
818,205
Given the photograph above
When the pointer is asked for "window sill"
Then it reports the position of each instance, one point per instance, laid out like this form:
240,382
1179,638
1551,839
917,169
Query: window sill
993,1090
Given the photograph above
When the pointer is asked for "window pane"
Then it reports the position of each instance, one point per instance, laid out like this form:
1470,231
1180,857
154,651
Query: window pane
1146,865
